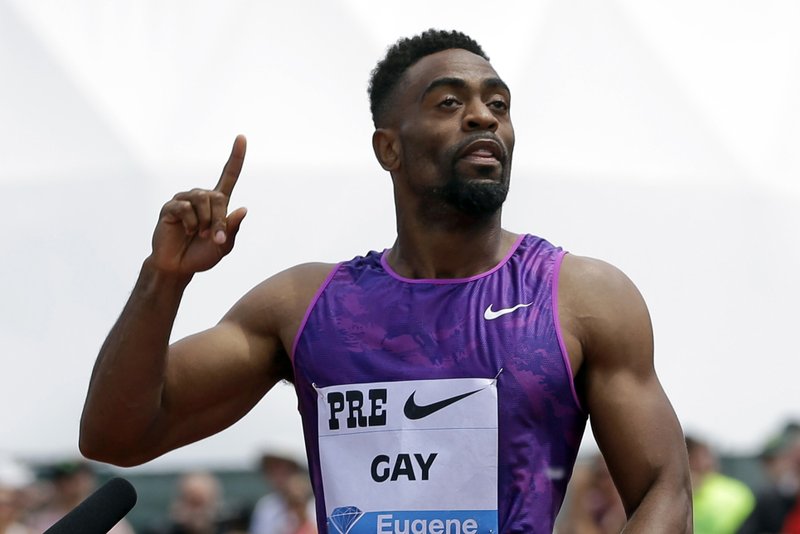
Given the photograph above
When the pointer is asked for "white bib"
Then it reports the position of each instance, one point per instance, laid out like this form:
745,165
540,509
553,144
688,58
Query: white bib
411,457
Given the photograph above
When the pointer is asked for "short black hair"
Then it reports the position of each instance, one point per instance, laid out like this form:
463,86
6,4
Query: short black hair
404,53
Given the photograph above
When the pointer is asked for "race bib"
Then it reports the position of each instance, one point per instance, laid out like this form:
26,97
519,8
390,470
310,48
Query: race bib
412,457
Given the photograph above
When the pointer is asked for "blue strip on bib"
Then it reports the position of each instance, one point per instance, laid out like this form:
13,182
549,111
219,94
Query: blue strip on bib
415,522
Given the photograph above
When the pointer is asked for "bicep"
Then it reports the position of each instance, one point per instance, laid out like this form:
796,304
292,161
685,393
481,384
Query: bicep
213,365
631,416
213,378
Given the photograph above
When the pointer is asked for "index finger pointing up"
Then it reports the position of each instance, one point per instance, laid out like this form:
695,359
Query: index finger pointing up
230,173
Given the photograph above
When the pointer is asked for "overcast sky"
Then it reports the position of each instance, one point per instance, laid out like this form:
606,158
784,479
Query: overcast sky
661,137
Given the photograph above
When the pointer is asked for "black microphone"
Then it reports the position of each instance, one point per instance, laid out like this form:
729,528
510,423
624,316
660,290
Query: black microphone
100,511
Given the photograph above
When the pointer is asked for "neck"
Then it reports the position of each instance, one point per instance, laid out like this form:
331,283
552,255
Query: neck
458,250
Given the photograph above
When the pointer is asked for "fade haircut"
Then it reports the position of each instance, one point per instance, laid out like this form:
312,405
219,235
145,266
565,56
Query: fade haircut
404,53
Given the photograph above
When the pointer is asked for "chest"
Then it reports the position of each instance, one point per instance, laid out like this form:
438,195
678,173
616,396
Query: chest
401,331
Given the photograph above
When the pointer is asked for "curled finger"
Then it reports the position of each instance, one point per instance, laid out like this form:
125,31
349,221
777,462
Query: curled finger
201,204
180,211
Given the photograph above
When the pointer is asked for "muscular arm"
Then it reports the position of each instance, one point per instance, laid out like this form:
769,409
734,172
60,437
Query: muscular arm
632,419
145,397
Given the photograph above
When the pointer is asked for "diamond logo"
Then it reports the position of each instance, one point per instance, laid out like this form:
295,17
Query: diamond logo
344,518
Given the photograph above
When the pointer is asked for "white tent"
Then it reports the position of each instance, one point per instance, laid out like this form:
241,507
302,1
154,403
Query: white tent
661,137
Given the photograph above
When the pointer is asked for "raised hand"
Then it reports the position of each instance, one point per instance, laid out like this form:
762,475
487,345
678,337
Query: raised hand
195,230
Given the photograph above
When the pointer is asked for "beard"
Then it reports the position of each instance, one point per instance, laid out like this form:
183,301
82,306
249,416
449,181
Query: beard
475,196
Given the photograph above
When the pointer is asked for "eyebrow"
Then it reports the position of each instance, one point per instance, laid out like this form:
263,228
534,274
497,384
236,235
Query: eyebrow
449,81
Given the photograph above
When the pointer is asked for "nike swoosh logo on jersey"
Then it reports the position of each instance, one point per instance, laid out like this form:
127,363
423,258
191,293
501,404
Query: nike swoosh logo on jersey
415,411
490,314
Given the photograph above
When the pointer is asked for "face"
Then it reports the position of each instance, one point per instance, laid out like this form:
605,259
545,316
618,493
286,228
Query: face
451,118
10,506
197,503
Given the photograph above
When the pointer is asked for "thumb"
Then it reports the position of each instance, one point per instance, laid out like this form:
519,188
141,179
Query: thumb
234,222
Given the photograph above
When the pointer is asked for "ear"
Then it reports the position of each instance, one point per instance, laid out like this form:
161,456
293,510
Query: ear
387,148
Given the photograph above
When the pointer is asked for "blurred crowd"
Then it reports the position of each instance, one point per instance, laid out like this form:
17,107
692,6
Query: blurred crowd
33,500
32,504
722,504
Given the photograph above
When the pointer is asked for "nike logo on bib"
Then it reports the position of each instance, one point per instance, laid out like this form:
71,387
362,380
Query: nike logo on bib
415,411
490,314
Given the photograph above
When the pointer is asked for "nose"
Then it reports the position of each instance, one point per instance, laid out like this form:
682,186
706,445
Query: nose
478,116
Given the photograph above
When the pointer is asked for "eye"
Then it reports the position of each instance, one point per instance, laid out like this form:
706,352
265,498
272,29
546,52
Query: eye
498,105
449,102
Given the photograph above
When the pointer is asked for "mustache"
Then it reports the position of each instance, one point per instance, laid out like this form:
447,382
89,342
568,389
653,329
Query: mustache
457,149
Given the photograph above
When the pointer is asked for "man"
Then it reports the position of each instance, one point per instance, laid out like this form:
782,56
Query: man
196,507
290,504
775,499
721,503
592,504
15,483
444,383
72,483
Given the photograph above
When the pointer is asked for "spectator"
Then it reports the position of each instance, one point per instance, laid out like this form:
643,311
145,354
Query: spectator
792,522
775,500
298,498
14,479
721,503
72,482
289,508
594,505
196,507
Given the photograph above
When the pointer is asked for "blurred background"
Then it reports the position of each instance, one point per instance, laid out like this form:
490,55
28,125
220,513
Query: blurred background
661,137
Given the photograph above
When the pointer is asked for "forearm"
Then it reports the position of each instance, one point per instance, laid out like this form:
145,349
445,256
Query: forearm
665,508
125,391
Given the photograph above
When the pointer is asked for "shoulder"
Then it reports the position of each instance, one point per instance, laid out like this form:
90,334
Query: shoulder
591,278
602,307
282,299
299,280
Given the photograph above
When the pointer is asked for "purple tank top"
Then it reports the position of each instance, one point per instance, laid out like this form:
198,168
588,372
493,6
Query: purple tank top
438,406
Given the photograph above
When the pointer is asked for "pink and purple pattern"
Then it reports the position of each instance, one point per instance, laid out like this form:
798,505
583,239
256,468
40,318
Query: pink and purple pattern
367,324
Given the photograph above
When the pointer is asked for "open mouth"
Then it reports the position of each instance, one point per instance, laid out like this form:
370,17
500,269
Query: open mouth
482,152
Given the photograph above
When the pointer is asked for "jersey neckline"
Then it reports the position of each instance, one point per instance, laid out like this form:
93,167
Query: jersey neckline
444,281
